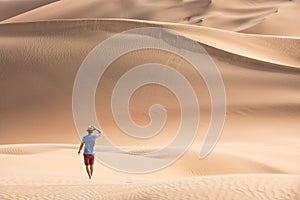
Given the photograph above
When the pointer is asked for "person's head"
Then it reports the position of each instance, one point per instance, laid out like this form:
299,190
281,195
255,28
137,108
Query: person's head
90,129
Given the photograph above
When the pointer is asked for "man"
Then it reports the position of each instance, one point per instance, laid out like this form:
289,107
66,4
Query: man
88,142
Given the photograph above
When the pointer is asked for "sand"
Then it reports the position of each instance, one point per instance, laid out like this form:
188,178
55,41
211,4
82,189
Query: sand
254,44
40,178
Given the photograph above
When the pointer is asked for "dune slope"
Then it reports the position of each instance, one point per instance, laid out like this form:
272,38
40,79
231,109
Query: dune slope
41,98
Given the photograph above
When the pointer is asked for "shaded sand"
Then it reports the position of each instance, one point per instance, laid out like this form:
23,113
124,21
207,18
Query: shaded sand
12,8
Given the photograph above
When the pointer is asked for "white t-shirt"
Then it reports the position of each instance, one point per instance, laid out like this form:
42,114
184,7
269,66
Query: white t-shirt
89,143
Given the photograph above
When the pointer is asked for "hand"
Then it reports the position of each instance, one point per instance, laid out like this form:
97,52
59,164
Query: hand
96,128
78,152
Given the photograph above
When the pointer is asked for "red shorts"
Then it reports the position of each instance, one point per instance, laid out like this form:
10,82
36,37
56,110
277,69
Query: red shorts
89,159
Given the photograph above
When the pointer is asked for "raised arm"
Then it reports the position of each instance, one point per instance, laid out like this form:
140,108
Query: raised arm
98,130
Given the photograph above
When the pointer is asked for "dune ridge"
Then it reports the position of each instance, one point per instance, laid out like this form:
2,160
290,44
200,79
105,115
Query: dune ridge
226,40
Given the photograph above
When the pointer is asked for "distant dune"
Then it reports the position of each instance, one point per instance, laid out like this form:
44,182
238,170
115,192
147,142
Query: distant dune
259,17
12,8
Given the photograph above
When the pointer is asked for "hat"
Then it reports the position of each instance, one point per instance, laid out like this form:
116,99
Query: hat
90,129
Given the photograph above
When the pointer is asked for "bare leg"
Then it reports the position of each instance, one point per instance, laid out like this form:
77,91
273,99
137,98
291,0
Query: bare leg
88,171
92,169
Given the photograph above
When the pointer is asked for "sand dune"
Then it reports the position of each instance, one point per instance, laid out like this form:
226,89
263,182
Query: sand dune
255,45
260,17
134,9
52,61
280,23
12,8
